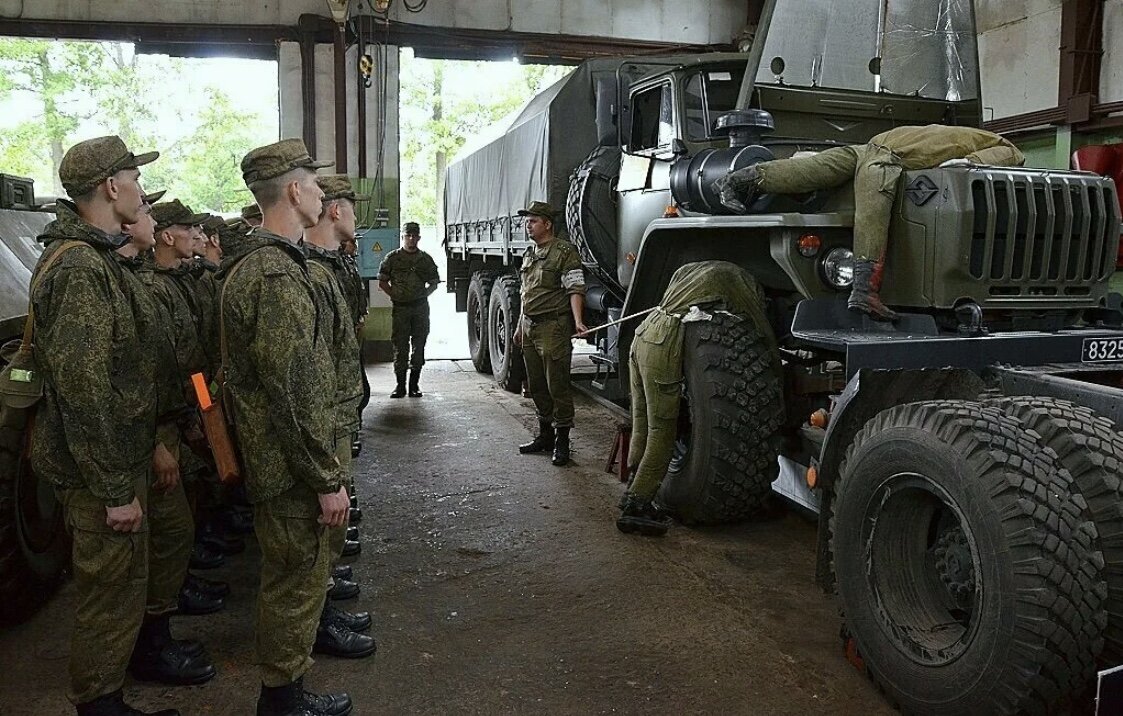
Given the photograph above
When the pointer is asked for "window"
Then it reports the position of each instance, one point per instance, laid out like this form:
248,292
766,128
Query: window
710,94
652,118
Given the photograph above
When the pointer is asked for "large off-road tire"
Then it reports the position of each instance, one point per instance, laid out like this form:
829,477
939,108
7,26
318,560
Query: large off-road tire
34,545
502,320
590,213
1088,446
966,566
730,421
479,296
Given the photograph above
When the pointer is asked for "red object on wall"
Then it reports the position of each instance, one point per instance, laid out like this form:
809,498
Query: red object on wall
1105,160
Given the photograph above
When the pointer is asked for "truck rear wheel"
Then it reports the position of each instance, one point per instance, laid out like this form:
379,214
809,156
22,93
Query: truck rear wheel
1088,446
967,572
725,461
479,297
503,317
34,546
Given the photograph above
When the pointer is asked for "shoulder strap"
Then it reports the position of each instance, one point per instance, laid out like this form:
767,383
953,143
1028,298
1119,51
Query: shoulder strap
29,323
223,352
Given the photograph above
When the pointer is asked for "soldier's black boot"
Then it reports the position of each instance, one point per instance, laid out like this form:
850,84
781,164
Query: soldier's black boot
293,700
342,589
640,516
352,548
210,587
196,599
114,705
561,448
400,390
414,377
204,556
334,638
865,295
355,621
157,657
342,571
543,442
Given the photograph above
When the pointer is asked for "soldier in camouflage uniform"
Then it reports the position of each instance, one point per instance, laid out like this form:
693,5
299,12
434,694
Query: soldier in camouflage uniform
280,386
251,215
338,632
95,426
875,169
408,276
157,656
355,291
553,301
655,374
178,234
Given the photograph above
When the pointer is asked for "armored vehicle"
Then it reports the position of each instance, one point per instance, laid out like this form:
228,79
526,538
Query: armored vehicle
964,462
34,549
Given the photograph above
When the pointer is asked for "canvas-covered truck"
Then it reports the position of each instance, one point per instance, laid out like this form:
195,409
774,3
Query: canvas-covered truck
965,461
34,548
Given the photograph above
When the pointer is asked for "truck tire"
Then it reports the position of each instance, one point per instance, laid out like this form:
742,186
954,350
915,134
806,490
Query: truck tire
590,211
1088,446
725,461
479,298
34,545
949,520
502,319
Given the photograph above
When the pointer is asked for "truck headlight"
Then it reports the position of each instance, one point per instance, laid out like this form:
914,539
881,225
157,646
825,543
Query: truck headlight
837,267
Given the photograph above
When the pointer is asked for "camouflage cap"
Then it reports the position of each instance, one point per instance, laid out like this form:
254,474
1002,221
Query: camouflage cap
251,211
338,186
213,222
539,208
176,213
152,197
88,163
233,227
273,160
411,228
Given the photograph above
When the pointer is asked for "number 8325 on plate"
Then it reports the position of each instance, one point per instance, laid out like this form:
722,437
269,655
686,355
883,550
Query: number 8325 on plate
1102,350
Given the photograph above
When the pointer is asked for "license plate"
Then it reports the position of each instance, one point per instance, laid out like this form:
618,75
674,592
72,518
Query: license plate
1102,350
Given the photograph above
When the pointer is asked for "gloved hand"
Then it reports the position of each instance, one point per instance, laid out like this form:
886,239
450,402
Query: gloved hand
957,163
728,195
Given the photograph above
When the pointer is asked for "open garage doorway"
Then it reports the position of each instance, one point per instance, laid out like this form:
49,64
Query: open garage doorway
201,114
447,107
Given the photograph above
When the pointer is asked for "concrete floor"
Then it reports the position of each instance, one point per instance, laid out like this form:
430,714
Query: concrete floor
499,584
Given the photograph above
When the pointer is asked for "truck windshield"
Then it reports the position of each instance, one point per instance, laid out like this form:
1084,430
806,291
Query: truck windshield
708,95
925,48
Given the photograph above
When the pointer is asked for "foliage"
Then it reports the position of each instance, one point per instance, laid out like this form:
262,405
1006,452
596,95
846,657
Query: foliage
444,104
77,90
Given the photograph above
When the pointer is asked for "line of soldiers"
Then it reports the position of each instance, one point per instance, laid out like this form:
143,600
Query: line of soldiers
130,298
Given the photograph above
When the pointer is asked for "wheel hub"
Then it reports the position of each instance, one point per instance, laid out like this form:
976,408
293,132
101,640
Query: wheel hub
954,564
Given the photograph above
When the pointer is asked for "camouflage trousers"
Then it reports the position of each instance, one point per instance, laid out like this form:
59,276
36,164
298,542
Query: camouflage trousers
171,532
547,353
655,378
111,580
295,565
410,328
338,535
875,171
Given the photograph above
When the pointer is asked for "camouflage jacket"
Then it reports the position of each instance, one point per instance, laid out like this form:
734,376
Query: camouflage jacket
322,269
96,330
177,293
354,288
280,381
549,275
409,275
205,287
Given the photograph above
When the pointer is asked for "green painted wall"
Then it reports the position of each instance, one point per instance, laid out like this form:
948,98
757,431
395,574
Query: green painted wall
1052,149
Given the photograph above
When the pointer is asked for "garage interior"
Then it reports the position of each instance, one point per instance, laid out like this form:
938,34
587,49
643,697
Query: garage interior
498,583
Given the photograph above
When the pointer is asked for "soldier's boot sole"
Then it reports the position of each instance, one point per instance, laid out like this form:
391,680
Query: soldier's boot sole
641,526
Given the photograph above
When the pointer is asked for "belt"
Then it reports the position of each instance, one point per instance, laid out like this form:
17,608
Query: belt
414,302
547,317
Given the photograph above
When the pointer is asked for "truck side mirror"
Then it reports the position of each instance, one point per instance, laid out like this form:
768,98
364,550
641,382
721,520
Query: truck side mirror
608,133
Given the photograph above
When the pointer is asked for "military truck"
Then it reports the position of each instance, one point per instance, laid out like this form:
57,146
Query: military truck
964,462
34,549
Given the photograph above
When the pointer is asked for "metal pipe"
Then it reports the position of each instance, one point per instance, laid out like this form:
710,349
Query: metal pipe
361,110
340,81
752,65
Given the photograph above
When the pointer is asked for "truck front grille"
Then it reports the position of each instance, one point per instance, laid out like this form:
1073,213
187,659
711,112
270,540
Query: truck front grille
1042,234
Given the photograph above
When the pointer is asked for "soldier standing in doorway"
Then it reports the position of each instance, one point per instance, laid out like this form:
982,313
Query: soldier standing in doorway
553,301
408,276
